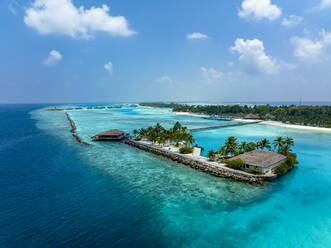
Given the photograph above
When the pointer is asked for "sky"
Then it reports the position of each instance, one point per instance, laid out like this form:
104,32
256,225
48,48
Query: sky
188,50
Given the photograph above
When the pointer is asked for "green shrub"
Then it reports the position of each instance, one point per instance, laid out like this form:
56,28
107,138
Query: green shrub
137,139
281,169
289,163
186,150
236,164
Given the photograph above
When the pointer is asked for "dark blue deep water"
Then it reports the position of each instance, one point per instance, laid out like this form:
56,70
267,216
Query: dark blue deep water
50,198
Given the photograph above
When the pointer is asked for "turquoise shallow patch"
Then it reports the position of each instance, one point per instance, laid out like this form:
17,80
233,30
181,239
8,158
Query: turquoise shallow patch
198,210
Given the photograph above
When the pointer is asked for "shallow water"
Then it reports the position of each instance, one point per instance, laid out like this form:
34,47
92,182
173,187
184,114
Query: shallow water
112,195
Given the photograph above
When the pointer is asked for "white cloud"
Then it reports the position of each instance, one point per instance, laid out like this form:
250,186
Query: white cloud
109,67
53,58
259,9
251,52
165,79
324,4
292,21
210,75
311,50
196,36
62,17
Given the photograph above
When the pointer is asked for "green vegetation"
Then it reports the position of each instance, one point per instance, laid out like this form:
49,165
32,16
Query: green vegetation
160,135
186,150
211,155
236,164
302,115
283,145
286,165
232,147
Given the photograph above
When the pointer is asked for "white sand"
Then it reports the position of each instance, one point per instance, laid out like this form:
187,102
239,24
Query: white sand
273,123
280,124
246,120
190,114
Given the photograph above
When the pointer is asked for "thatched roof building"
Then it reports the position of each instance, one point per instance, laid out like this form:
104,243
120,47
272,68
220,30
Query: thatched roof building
109,135
260,160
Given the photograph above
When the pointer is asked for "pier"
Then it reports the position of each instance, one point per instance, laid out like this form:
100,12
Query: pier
224,126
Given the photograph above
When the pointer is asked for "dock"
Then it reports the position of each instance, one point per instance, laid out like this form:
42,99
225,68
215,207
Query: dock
224,126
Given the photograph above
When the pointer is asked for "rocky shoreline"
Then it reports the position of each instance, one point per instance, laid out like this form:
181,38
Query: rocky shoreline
205,166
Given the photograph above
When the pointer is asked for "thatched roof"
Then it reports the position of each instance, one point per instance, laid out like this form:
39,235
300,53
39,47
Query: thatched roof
111,132
259,158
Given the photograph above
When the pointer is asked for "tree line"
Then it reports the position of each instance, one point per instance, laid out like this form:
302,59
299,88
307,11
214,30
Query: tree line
158,134
303,115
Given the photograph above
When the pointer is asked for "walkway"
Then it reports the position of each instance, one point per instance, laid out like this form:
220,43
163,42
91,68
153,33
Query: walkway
224,126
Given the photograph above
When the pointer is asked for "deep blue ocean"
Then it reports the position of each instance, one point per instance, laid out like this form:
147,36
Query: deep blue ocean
51,198
57,193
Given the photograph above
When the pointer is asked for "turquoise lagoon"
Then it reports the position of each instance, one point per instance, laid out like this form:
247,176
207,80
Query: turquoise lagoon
192,209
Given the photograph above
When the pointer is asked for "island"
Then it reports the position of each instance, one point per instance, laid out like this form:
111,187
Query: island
315,116
252,162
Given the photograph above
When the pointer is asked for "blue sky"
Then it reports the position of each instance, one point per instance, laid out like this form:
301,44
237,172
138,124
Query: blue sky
147,50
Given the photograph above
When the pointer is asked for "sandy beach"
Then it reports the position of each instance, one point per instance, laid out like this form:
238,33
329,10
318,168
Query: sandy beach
273,123
280,124
190,114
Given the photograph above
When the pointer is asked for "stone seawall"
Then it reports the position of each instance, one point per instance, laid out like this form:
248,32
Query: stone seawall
72,123
73,130
219,171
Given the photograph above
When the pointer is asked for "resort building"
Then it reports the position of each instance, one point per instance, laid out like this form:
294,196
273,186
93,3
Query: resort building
109,135
261,161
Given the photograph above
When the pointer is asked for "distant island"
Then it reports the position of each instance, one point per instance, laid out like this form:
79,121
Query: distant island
316,116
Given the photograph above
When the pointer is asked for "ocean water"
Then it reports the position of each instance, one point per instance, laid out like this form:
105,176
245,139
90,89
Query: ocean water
57,193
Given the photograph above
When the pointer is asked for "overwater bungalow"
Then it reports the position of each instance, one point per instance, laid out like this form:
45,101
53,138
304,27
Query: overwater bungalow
110,135
261,161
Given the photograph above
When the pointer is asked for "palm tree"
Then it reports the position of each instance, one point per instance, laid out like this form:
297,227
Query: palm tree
265,143
158,128
231,145
211,155
177,126
287,144
142,132
278,143
190,139
250,147
258,145
242,147
289,141
135,132
222,151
